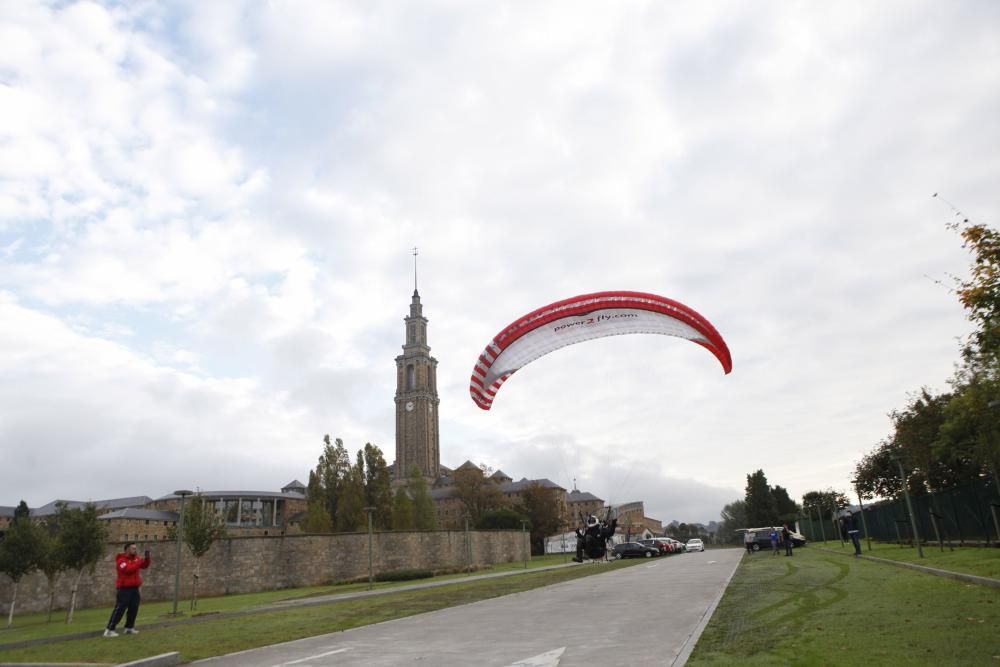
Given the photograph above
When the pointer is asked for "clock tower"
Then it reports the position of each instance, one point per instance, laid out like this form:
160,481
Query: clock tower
416,400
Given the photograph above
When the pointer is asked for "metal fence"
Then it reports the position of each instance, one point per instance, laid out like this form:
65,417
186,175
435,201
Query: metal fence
967,514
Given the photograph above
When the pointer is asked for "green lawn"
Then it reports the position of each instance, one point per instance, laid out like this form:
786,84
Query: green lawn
829,609
982,561
216,636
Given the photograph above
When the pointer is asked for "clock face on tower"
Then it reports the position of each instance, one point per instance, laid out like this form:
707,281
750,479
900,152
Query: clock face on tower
409,406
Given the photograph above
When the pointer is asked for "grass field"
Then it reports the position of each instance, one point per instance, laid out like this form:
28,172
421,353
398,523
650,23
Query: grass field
217,636
822,608
982,561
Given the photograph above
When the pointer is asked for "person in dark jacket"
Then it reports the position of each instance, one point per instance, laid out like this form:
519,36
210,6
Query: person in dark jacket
592,540
127,565
786,537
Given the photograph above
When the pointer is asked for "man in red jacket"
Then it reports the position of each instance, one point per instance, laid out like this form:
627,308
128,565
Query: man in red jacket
129,580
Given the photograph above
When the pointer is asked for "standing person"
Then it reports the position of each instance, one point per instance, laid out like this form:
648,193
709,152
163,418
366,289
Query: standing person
127,565
774,541
749,538
854,534
786,537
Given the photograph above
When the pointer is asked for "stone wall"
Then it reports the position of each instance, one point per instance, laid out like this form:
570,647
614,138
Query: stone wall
253,564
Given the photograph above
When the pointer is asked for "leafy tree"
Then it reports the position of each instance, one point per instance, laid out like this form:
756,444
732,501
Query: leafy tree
969,437
378,492
51,562
83,541
477,492
317,519
504,518
540,505
761,507
788,510
202,527
402,510
20,550
734,517
351,499
423,506
824,503
333,468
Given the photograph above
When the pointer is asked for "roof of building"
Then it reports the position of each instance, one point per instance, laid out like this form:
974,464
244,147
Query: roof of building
7,511
249,495
139,513
524,483
500,474
294,484
468,465
111,504
441,492
576,496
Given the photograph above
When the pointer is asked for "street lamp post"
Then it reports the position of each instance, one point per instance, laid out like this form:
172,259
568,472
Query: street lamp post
183,493
370,510
909,506
524,524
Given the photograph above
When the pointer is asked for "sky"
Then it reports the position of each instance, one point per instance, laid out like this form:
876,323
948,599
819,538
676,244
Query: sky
207,212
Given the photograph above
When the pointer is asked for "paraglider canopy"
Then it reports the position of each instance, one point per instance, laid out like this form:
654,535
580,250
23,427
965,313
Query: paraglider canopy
584,318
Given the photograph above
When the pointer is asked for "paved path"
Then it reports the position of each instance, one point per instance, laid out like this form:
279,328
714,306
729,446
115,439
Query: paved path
649,614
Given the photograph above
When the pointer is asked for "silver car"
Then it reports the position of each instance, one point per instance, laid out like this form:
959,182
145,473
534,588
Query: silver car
695,545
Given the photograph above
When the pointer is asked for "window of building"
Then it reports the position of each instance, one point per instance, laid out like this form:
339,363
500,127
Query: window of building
411,381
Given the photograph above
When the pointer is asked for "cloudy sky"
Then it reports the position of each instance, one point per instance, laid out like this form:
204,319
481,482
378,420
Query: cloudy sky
207,210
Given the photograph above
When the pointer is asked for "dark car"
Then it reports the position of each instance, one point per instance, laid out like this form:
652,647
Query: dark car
635,550
663,546
763,540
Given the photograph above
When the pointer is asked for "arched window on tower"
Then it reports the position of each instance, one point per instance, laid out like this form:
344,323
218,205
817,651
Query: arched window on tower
410,377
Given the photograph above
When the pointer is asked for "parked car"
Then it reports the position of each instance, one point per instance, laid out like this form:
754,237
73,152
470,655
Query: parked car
763,540
635,550
695,544
661,544
679,547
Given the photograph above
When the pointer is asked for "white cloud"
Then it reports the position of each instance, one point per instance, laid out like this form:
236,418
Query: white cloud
217,200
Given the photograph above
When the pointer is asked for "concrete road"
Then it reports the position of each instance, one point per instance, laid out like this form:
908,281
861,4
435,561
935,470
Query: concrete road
650,614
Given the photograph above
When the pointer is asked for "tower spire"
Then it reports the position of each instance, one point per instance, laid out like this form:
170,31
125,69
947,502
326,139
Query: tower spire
415,269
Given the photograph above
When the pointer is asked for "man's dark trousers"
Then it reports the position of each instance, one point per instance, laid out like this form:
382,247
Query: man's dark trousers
127,599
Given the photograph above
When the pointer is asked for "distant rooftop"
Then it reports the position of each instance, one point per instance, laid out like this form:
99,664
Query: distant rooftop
136,513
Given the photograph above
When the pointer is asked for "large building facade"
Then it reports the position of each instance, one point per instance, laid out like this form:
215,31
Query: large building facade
417,440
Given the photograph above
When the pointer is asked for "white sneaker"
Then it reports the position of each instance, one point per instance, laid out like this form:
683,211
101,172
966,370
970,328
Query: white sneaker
110,633
131,631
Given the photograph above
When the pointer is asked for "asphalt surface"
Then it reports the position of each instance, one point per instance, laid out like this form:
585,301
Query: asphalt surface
650,614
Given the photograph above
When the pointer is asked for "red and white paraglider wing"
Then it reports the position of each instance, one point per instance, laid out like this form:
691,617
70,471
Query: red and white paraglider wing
584,318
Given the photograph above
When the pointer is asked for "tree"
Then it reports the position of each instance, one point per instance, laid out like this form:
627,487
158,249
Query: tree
51,562
734,517
402,510
19,550
351,499
202,527
761,508
83,540
378,492
824,503
788,510
332,470
423,506
540,505
477,492
317,519
504,518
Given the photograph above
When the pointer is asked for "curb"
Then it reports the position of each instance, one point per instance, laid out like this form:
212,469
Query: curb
948,574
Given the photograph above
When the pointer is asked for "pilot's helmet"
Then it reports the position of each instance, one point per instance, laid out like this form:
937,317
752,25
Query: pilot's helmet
591,520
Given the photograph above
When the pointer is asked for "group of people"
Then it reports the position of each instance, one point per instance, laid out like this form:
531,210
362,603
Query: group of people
784,536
